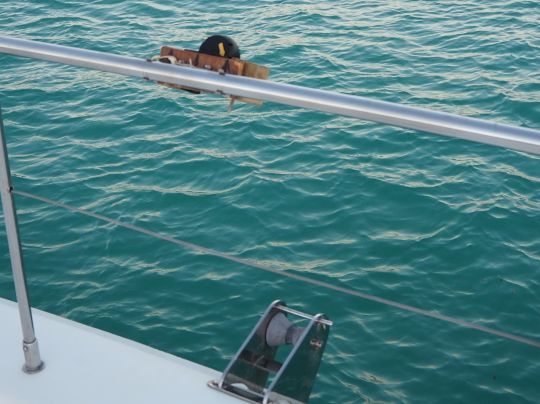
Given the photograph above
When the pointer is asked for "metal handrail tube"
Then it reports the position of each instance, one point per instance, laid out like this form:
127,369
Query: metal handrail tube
518,138
32,357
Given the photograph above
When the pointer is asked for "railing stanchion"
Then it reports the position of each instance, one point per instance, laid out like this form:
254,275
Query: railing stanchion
32,358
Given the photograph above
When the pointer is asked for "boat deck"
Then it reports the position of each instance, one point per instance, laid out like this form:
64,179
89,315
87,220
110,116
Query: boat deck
86,365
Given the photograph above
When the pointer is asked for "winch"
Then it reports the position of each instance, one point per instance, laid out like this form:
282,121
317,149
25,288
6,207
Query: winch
278,361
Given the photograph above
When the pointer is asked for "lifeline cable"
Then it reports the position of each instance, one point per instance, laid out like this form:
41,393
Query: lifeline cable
253,264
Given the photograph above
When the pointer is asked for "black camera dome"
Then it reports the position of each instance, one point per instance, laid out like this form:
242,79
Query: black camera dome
220,45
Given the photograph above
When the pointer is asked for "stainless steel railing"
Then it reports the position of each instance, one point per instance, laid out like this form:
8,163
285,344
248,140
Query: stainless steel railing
527,140
33,362
518,138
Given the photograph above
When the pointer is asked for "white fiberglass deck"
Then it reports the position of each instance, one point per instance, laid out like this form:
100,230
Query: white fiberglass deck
85,365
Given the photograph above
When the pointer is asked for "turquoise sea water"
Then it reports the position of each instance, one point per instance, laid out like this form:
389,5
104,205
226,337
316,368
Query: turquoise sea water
434,222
